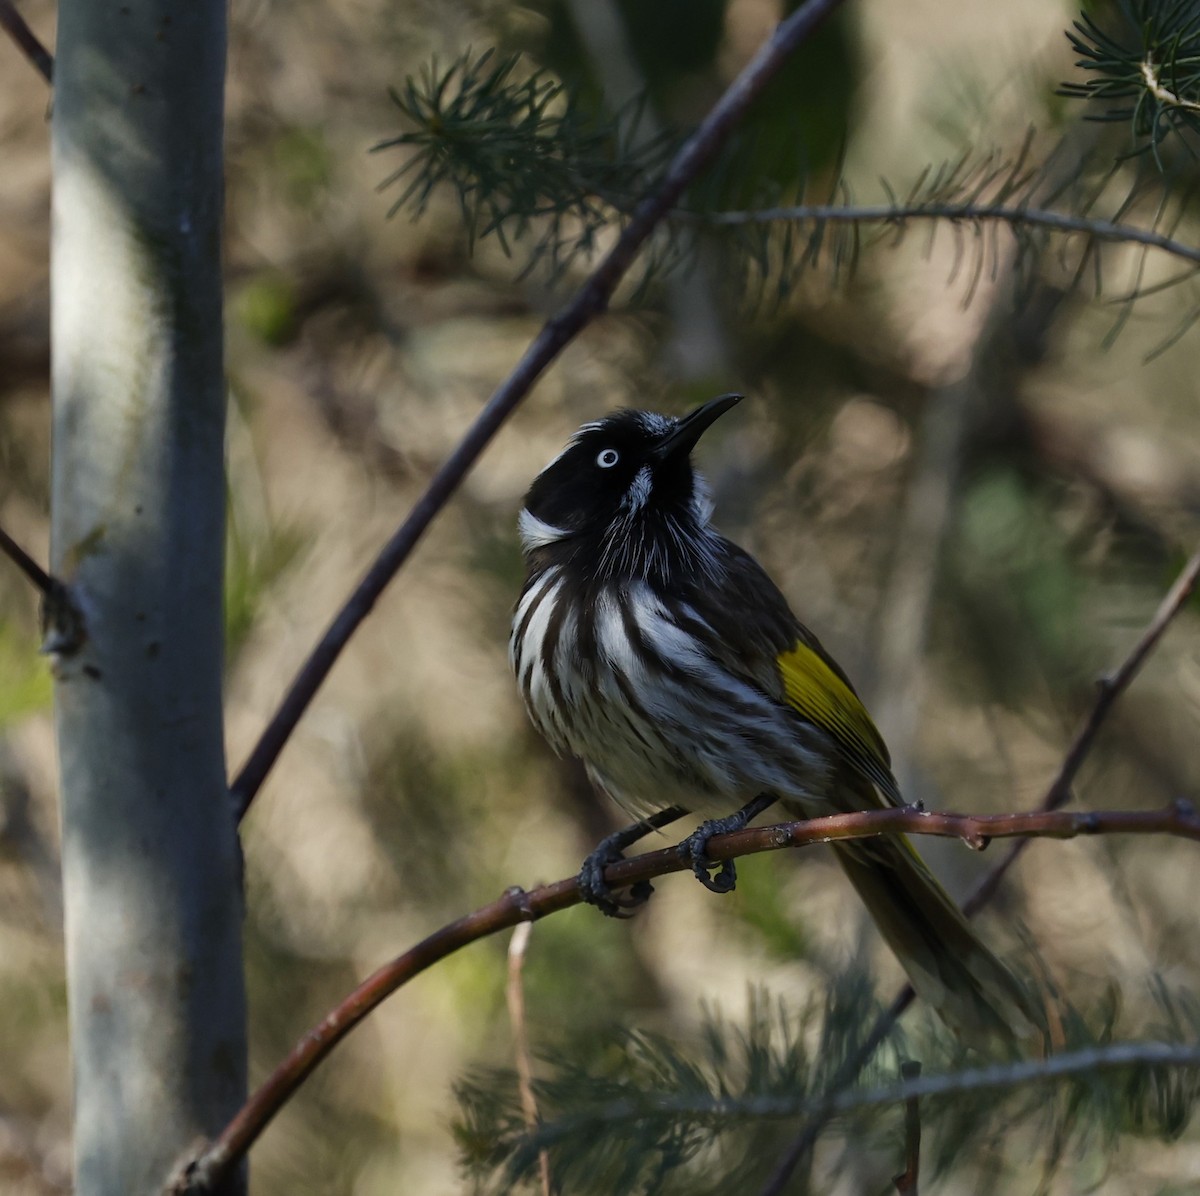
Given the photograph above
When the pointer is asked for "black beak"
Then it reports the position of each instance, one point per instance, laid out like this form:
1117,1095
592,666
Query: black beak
683,437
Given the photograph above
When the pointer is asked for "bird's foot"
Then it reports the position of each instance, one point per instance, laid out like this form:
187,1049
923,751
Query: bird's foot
694,849
595,890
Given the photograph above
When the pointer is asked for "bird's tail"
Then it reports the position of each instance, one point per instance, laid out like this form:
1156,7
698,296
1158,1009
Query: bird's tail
948,964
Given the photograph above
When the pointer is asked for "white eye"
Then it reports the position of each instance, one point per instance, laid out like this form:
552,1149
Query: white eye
608,458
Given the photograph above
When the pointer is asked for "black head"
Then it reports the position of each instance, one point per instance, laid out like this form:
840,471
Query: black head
621,490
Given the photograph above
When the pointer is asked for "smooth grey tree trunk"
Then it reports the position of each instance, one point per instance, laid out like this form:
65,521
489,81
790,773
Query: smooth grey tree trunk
150,857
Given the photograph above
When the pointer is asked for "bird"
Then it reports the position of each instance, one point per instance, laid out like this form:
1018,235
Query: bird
663,656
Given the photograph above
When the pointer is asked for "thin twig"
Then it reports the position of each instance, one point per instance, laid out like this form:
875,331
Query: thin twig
64,629
1110,688
1164,95
588,302
908,1181
1107,1057
19,557
27,41
967,212
994,1077
515,998
516,906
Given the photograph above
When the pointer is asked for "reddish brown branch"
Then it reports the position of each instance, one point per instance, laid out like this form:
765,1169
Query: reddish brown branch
27,41
588,302
517,906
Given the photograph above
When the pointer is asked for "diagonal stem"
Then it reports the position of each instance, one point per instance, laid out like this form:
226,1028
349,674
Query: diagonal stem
588,302
26,40
23,561
1111,687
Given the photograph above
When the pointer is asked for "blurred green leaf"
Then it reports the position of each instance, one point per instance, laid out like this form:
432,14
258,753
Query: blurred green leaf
303,164
253,562
760,903
27,685
266,307
1021,586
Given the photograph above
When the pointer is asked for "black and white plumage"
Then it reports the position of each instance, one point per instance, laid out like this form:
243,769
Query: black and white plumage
616,659
663,656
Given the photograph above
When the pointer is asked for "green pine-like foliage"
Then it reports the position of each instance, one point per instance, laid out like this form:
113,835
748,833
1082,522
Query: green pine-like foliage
715,1113
547,172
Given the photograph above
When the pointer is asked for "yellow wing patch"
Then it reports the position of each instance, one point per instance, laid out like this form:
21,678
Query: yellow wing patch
815,691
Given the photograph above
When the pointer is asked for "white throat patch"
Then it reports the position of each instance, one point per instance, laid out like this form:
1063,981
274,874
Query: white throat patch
702,500
638,494
537,533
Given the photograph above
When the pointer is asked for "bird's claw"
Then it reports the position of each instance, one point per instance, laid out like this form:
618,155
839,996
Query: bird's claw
693,850
595,890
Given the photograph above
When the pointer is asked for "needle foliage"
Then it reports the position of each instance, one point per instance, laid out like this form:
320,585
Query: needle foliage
548,174
712,1114
1141,64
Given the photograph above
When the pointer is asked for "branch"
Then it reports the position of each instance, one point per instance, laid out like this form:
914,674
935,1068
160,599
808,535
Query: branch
965,211
913,1087
14,25
1110,688
588,302
64,629
1107,1057
1166,97
15,553
516,906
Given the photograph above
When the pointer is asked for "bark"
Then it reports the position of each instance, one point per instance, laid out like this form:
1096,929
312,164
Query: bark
150,857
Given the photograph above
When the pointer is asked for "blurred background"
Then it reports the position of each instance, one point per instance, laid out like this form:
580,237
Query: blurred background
975,485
